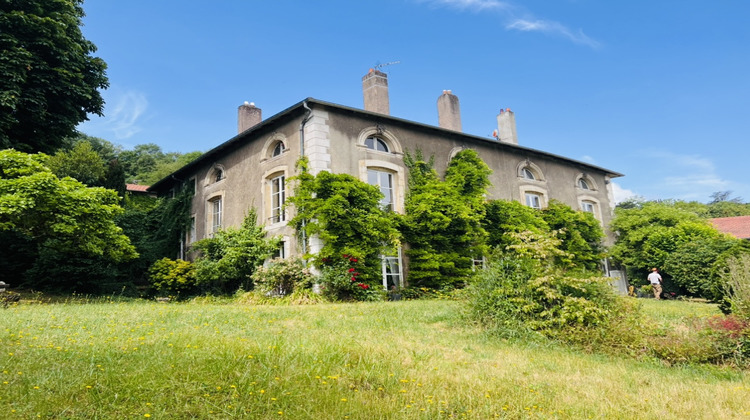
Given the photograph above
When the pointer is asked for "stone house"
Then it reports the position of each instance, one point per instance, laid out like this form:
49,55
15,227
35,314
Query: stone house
252,168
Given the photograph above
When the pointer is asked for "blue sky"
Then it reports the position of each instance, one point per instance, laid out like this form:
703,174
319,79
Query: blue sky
656,90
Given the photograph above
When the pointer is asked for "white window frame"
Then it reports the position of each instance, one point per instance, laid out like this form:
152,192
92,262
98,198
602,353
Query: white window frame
398,178
533,199
398,275
278,198
216,212
386,203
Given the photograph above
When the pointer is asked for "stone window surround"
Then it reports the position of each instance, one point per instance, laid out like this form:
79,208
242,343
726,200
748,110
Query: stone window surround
219,195
534,189
394,146
399,179
267,194
270,144
589,181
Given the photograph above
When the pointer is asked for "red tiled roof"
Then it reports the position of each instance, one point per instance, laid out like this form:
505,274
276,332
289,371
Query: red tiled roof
736,226
136,187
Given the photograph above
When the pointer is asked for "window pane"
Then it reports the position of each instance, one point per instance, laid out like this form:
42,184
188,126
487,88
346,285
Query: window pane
278,196
216,215
383,180
533,200
528,174
375,143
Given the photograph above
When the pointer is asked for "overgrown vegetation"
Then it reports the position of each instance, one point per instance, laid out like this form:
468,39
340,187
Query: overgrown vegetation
227,261
443,220
346,215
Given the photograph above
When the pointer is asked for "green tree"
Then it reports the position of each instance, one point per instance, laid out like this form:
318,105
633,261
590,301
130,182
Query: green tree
443,221
650,235
49,80
693,265
81,162
60,218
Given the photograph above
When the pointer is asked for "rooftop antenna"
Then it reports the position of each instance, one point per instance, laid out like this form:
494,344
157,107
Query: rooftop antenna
379,66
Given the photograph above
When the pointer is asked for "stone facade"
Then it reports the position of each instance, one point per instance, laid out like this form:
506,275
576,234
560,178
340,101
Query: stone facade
251,169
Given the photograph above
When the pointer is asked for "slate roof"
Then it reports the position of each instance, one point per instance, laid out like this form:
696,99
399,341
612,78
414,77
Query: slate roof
299,108
736,226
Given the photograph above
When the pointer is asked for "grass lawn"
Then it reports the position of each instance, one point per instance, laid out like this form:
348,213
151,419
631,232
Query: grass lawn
389,360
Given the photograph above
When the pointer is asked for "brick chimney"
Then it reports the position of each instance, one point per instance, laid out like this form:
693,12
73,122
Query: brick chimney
449,113
375,91
248,115
506,126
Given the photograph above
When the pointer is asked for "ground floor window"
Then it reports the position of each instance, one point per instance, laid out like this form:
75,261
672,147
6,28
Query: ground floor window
534,200
391,265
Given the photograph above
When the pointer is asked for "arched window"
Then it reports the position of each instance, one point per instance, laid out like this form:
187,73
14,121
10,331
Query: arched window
527,174
278,149
583,184
218,174
376,143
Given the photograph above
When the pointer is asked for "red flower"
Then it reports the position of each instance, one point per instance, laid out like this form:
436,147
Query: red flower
351,269
356,274
354,279
345,255
353,259
364,286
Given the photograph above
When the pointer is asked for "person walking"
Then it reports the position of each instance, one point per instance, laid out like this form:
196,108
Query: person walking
655,278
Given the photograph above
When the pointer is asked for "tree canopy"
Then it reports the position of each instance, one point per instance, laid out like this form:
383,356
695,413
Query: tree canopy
57,213
49,80
674,237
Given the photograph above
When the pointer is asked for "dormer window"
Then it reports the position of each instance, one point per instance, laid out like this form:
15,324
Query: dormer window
278,149
375,143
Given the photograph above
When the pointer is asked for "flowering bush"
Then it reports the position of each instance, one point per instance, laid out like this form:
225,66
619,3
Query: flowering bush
342,280
282,277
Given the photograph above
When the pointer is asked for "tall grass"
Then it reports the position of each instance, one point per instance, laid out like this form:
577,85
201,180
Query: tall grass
387,360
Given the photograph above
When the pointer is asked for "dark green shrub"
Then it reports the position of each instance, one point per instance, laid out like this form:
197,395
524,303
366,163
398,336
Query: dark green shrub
173,277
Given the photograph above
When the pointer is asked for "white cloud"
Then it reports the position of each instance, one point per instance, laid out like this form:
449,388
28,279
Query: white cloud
621,194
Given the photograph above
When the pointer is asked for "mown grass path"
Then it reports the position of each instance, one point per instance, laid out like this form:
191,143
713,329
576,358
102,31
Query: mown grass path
390,360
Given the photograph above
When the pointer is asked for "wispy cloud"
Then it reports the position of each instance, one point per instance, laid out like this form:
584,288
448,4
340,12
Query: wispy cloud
471,5
122,117
685,177
509,11
124,112
552,28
